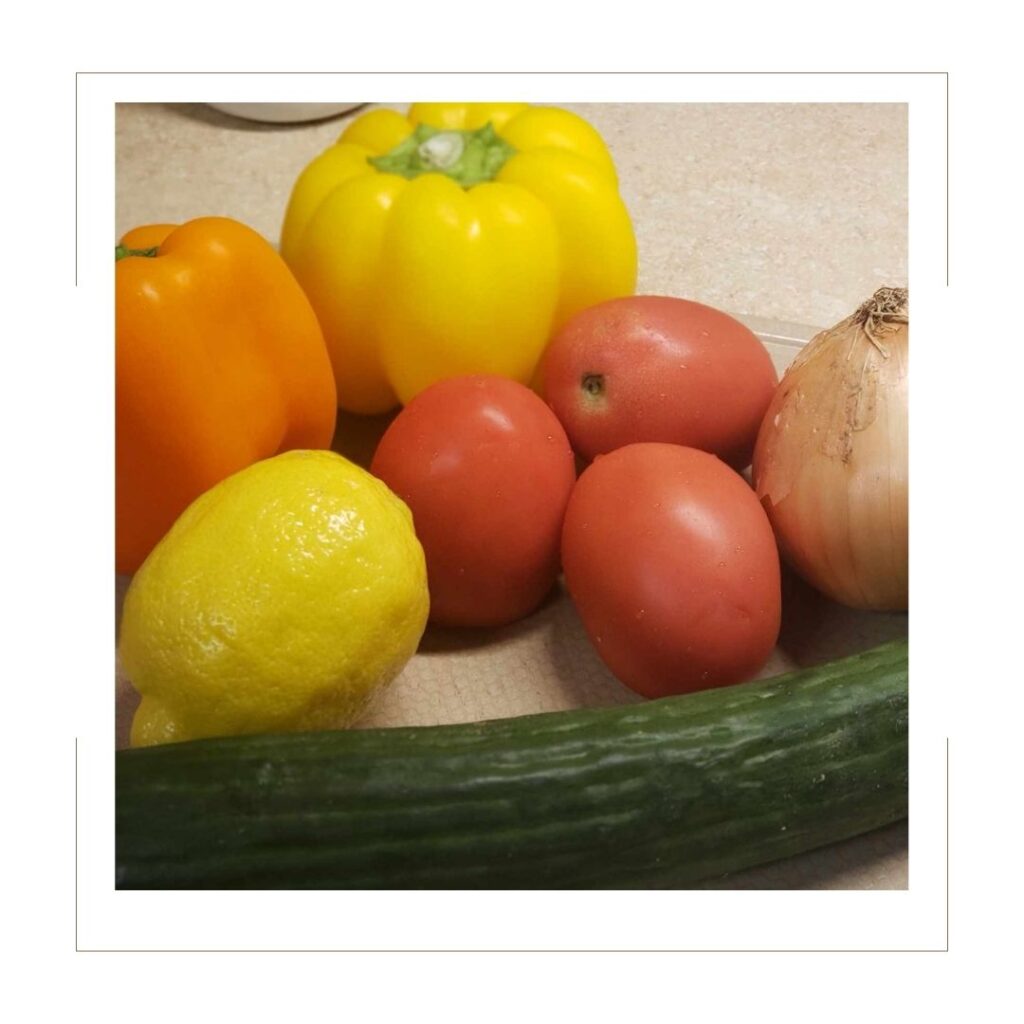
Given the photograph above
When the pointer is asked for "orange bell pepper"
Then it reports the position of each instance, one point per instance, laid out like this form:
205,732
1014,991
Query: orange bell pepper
220,362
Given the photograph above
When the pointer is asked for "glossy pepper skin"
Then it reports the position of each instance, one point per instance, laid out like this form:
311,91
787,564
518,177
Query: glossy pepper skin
220,362
421,271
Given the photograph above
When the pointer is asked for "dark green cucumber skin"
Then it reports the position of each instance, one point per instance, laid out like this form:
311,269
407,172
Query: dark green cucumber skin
665,793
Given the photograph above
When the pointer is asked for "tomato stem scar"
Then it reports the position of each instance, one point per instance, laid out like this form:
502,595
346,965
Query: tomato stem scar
593,384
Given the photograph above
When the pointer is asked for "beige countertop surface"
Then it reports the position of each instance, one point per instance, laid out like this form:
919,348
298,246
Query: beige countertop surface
790,213
796,212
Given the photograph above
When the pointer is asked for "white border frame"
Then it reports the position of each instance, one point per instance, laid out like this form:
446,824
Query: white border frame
664,920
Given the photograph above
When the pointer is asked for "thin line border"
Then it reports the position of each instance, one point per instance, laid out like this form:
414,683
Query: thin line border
81,949
578,73
945,948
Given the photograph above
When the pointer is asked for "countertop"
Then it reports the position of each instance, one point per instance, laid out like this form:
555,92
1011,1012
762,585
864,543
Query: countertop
792,211
776,212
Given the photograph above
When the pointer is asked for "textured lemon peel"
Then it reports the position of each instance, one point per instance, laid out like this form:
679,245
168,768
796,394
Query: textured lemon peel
230,629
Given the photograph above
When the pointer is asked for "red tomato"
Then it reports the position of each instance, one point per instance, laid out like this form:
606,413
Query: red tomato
655,368
672,565
487,470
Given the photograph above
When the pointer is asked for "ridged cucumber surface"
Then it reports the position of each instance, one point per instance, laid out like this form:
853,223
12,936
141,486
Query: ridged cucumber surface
664,793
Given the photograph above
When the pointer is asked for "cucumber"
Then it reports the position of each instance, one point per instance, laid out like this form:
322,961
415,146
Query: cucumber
664,793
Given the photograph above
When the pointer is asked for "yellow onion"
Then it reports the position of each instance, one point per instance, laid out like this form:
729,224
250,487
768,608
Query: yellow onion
830,463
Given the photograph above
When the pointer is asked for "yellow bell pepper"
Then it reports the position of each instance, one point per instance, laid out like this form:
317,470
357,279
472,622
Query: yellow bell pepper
455,239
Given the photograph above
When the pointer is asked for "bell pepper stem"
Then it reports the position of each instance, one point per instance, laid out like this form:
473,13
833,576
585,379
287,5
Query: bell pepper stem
121,251
467,157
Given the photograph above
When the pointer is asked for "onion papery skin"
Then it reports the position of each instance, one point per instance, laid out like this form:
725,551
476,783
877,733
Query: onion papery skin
831,463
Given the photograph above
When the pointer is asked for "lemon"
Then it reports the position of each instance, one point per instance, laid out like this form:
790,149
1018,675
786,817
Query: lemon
280,600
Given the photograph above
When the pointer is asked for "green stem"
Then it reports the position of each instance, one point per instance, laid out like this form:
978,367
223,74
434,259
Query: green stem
467,157
121,251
